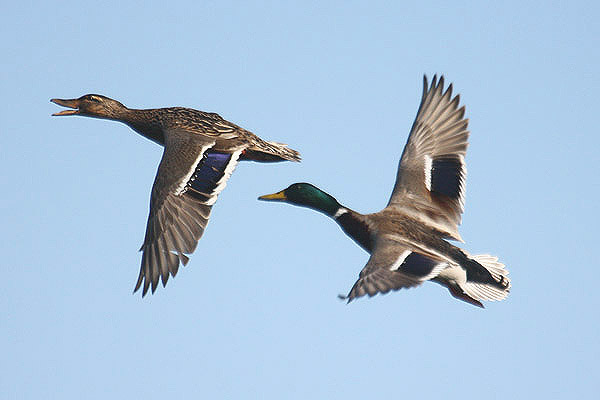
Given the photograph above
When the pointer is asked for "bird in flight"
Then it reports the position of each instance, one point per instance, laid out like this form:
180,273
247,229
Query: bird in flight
201,150
407,240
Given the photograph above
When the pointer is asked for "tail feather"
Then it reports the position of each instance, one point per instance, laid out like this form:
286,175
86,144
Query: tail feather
267,157
473,289
484,291
264,151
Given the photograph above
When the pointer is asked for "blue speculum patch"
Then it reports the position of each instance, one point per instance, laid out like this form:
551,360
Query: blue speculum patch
445,176
208,172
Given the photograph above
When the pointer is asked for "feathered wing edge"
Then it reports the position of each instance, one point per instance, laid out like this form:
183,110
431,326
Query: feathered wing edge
171,236
430,182
391,267
181,201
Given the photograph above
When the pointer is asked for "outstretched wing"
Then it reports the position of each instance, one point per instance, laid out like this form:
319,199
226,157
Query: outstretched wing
393,266
189,179
430,184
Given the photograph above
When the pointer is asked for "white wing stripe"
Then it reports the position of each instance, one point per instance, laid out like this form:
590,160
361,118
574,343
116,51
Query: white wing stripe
223,181
427,172
400,260
183,182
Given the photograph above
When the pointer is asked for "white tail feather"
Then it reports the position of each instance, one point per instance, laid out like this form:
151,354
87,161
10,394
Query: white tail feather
482,291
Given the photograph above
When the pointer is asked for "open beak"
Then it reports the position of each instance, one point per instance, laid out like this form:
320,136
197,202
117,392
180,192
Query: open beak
279,196
73,103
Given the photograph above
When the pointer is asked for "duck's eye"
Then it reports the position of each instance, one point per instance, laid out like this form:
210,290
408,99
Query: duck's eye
95,99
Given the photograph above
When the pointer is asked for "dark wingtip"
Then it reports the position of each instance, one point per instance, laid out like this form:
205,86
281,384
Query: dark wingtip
138,288
146,287
139,283
347,298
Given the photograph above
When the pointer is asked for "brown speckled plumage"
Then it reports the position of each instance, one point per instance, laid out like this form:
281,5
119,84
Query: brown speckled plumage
201,151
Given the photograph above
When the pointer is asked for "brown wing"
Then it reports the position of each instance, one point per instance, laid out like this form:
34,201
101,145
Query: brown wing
189,179
431,176
394,266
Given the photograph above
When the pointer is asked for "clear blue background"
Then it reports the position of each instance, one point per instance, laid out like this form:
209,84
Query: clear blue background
254,314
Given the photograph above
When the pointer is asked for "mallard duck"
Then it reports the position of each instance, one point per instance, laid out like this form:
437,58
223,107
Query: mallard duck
407,240
201,150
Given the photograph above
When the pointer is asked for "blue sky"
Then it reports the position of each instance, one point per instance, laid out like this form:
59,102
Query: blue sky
255,314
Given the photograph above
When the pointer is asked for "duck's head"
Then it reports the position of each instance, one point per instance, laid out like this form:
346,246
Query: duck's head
91,105
305,195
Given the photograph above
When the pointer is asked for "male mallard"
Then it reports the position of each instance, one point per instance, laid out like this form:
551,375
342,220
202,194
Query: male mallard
406,239
201,151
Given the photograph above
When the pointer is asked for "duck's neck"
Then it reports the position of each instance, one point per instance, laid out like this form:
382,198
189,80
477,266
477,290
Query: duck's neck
144,122
323,202
352,223
356,226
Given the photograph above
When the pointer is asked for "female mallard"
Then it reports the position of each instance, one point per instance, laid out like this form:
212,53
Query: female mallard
201,151
406,239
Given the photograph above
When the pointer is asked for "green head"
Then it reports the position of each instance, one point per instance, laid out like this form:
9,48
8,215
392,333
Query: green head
306,195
